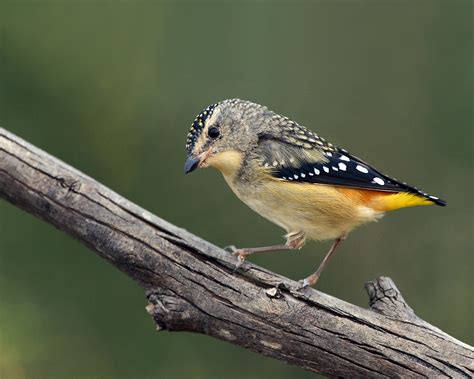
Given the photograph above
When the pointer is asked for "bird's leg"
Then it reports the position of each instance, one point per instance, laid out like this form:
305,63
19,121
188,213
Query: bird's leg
241,254
294,240
313,278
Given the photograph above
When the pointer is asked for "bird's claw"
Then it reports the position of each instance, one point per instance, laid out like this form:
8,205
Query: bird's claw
308,282
239,253
302,284
240,261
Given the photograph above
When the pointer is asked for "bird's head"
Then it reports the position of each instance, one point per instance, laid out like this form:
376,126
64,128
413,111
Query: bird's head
223,133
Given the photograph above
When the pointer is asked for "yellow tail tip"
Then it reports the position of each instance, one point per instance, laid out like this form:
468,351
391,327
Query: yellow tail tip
390,202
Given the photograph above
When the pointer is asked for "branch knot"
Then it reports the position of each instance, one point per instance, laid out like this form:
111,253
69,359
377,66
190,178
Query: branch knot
385,298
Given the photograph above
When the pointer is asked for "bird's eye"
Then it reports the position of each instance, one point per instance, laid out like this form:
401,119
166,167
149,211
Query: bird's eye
213,132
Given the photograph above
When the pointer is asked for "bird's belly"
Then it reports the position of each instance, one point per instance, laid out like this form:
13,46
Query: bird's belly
322,213
310,221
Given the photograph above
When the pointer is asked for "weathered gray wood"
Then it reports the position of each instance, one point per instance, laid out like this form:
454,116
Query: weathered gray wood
191,286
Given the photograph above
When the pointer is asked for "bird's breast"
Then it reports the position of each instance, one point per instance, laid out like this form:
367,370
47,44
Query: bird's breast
320,211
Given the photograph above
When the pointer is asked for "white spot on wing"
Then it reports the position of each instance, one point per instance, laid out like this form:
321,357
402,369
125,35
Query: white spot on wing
379,181
325,169
295,176
303,175
342,166
361,169
344,158
316,171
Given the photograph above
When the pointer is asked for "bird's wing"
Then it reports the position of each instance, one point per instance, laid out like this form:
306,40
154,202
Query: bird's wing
307,158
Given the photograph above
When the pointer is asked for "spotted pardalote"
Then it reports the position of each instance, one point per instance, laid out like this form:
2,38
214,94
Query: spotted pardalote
292,176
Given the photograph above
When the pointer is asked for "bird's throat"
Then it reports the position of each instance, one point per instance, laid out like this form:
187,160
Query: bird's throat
227,162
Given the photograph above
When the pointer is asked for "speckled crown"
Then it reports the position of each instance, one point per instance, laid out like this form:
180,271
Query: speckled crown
198,125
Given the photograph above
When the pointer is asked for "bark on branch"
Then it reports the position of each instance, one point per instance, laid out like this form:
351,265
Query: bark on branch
190,284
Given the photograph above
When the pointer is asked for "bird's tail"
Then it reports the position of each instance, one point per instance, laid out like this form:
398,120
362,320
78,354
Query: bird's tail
391,201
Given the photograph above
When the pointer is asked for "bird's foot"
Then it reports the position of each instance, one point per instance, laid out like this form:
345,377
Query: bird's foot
295,240
240,261
302,284
307,282
239,253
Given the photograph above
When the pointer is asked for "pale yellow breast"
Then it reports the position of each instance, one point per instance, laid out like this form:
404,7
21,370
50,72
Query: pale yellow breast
320,211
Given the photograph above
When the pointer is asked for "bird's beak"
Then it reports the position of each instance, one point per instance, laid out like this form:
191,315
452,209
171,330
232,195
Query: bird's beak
195,161
192,163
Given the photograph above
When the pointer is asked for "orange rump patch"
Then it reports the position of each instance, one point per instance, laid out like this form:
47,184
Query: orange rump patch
384,201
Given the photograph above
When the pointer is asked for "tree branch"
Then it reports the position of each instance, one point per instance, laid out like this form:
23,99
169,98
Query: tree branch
190,284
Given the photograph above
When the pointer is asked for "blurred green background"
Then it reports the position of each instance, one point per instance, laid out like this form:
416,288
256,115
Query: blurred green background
112,88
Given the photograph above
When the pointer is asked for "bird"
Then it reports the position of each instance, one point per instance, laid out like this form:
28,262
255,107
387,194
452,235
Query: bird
293,177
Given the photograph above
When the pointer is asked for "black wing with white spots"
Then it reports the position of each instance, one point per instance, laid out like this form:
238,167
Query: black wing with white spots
345,170
300,155
339,169
297,154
